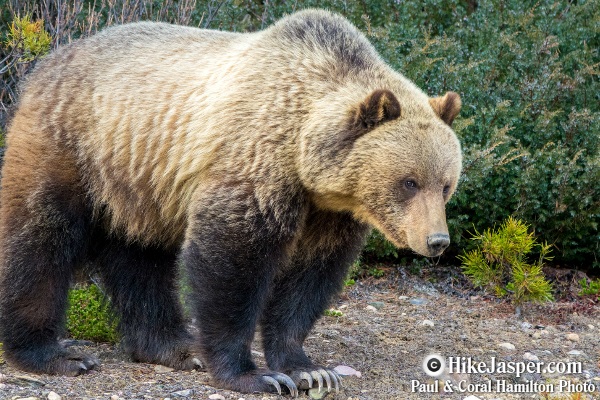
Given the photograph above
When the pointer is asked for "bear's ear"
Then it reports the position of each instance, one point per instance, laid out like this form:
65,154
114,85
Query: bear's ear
379,107
446,107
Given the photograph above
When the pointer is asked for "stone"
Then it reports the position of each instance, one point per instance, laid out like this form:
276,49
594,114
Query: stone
428,323
344,370
317,394
28,380
531,357
417,301
216,396
507,346
377,304
573,337
183,393
526,325
162,369
54,396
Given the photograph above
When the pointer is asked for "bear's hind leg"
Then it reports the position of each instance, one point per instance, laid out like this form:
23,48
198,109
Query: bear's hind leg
44,234
301,294
142,284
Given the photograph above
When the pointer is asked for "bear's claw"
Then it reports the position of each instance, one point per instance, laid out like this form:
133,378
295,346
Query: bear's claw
307,377
319,376
74,364
277,378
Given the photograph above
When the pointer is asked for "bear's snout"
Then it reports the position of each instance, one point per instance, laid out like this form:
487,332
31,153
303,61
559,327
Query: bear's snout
437,243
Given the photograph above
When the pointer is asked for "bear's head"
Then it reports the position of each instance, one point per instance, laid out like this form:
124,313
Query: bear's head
393,164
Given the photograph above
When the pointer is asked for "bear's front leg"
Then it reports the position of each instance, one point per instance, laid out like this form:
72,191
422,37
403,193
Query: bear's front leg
329,244
232,251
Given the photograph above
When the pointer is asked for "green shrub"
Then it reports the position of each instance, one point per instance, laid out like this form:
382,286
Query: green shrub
333,313
379,248
499,263
89,317
590,288
29,38
530,126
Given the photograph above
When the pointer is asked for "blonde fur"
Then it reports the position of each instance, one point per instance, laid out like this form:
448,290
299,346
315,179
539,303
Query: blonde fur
150,114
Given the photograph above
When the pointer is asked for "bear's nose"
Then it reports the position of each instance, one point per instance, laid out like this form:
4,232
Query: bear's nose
438,242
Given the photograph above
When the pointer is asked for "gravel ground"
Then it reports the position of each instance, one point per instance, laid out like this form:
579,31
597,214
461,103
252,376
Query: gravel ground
388,327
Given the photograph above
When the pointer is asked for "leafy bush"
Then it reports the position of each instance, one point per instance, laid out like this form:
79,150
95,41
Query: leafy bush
590,288
378,247
333,313
530,126
28,38
528,73
89,317
500,263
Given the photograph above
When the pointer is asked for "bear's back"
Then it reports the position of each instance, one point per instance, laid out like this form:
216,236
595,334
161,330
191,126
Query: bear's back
152,111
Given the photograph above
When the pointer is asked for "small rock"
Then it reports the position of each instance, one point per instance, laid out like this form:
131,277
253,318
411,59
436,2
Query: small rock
317,394
114,397
575,353
428,322
545,332
507,346
27,398
162,369
531,357
536,335
471,397
2,386
402,297
28,380
591,327
344,370
573,337
369,308
54,396
241,398
417,301
377,304
526,325
216,396
183,393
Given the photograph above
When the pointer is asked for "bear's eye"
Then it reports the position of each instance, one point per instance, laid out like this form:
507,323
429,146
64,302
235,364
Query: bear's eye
446,190
410,184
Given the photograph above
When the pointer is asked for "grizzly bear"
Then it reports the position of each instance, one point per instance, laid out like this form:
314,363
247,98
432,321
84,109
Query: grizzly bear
258,161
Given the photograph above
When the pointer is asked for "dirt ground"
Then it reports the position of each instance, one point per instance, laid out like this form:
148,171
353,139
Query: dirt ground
389,325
